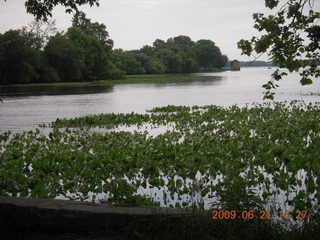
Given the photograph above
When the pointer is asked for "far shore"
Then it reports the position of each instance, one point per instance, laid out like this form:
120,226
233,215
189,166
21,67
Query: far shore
129,79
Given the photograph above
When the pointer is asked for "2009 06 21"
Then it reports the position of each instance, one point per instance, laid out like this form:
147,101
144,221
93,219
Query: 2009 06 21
250,214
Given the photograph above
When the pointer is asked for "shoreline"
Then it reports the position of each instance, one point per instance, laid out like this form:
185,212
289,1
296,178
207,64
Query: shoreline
130,79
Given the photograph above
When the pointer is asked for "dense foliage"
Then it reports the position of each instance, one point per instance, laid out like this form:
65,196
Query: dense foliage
83,52
19,62
231,158
290,37
176,55
38,53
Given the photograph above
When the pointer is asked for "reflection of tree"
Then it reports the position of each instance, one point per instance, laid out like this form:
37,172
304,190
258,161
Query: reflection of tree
54,90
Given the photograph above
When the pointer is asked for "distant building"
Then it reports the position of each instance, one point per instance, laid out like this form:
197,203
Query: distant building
235,65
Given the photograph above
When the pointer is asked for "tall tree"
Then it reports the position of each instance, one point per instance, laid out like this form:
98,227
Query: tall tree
39,32
290,37
93,55
95,29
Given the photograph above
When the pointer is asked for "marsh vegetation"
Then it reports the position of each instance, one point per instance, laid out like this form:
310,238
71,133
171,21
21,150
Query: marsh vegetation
264,156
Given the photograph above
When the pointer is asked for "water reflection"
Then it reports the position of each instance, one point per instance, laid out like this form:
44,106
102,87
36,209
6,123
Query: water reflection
14,91
212,81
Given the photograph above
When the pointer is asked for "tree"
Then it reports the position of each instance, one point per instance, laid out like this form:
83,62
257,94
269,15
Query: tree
171,60
77,56
158,43
95,29
150,64
147,50
91,53
42,9
39,32
19,63
181,42
190,65
224,60
127,62
291,39
154,66
64,57
208,54
180,55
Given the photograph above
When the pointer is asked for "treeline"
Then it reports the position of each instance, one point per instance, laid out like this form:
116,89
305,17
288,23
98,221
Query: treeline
82,53
176,55
38,53
257,64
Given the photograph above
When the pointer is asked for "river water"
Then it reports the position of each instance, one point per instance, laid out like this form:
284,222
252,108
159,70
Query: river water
25,108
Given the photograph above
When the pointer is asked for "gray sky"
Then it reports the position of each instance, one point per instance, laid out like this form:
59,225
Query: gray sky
134,23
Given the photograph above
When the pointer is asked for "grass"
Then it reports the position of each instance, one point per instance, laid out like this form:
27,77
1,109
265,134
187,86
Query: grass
130,79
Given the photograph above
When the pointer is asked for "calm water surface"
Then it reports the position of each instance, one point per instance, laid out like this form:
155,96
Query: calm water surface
25,108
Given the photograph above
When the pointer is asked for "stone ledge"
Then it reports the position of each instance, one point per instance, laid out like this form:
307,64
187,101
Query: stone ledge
88,207
34,214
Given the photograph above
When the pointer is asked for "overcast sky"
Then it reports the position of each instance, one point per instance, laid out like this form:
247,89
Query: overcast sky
134,23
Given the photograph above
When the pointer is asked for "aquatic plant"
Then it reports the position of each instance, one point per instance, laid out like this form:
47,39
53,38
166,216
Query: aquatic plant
265,156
